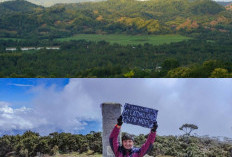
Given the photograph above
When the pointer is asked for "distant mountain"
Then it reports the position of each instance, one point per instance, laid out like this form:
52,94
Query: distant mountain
48,3
223,3
17,6
112,16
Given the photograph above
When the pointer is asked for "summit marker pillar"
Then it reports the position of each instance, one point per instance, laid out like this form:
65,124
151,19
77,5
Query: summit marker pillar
110,114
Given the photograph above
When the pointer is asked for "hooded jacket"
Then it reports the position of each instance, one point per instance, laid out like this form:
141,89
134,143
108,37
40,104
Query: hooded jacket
120,151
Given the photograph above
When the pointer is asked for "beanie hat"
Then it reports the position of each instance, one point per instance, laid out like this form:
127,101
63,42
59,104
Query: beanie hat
127,137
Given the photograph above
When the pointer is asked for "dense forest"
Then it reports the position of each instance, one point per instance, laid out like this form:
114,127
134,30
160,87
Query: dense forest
192,58
30,143
206,54
21,19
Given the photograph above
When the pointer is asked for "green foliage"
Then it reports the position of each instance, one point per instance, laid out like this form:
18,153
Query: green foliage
196,146
54,150
18,6
82,58
208,48
139,140
124,39
220,73
27,144
23,153
65,143
6,144
21,19
188,128
43,147
180,72
206,7
169,64
95,141
130,74
30,143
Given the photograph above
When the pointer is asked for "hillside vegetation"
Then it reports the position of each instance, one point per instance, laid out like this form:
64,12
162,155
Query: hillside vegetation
30,143
191,58
117,38
25,20
18,6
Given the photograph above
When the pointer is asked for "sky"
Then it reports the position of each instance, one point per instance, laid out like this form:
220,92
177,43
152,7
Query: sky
52,2
73,105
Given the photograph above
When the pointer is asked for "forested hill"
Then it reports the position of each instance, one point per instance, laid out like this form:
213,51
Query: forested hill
22,19
17,6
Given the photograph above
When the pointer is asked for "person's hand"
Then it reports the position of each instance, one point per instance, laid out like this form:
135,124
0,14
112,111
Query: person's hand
119,121
155,126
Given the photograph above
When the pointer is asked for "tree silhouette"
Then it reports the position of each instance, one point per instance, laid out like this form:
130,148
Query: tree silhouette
188,128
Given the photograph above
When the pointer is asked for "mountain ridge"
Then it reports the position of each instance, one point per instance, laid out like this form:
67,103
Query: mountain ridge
115,16
53,2
18,6
223,3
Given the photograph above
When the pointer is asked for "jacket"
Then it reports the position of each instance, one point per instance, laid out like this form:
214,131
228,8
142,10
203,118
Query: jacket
120,151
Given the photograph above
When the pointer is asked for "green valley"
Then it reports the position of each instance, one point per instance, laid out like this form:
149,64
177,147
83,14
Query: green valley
112,17
123,39
116,38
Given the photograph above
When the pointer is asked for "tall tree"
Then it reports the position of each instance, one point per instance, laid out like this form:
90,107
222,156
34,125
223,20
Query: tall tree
188,128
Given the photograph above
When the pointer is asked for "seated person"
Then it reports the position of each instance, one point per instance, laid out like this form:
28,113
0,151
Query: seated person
127,149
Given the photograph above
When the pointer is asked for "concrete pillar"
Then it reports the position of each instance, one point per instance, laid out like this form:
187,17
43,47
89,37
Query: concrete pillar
110,113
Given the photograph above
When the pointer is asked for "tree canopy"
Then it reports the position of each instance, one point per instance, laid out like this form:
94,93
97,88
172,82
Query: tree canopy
26,20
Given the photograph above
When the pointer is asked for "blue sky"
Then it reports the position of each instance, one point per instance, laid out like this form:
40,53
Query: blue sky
73,105
19,93
16,90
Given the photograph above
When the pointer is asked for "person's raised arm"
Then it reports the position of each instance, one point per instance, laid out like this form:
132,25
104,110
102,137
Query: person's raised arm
149,142
114,144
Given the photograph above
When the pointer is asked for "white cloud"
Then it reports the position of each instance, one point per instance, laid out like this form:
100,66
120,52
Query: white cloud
19,85
65,109
14,118
52,109
204,102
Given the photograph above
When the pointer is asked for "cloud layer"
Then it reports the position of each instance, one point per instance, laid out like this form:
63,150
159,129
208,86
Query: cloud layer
11,119
204,102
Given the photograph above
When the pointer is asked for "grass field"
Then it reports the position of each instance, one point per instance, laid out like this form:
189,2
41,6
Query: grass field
90,154
129,39
14,39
